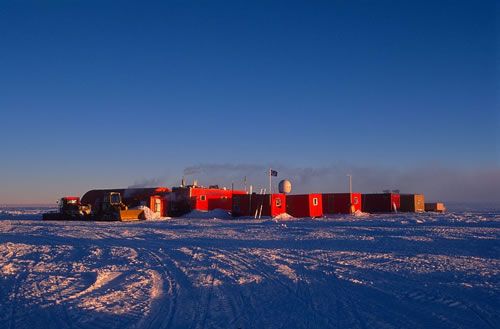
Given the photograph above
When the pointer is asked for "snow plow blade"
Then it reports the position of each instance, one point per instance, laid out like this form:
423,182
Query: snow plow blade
131,214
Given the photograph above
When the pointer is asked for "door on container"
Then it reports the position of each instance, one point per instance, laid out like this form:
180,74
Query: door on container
356,201
157,205
315,210
277,207
202,203
396,202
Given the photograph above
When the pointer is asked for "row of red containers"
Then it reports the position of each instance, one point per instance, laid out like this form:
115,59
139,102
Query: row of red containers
182,200
317,205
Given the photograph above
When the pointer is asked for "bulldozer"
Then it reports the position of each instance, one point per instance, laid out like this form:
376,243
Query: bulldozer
111,208
70,208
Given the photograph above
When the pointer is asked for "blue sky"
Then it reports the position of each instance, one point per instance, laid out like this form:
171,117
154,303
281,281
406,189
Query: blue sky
106,93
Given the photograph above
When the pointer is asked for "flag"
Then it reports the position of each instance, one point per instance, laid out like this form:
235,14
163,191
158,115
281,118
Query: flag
274,173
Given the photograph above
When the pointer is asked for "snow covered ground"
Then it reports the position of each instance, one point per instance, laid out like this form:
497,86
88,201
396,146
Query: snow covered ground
375,271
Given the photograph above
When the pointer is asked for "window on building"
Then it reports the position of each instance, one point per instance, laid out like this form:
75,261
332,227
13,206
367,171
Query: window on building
115,198
315,201
278,202
203,197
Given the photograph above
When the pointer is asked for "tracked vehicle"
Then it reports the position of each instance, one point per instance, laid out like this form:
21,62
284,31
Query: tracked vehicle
70,208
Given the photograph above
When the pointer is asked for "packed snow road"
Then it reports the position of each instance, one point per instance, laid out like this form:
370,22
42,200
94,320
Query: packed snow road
391,271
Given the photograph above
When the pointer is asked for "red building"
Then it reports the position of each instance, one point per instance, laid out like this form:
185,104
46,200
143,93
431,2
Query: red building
304,205
253,204
380,202
182,200
341,203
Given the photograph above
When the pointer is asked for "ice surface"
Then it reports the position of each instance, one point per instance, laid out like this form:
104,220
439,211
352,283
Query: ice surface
24,212
372,271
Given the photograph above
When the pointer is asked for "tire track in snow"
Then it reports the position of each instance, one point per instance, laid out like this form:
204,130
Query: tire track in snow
344,297
260,269
206,305
424,297
183,283
224,299
58,310
14,303
233,256
204,293
22,312
199,317
160,307
480,317
109,245
62,307
47,323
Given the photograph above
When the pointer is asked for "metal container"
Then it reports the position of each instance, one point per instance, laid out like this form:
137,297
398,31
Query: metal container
304,205
182,200
412,203
341,203
435,207
380,202
256,205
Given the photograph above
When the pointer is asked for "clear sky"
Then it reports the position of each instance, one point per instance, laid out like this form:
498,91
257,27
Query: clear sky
111,93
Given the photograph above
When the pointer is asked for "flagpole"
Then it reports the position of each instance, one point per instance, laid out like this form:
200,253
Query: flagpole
270,191
270,183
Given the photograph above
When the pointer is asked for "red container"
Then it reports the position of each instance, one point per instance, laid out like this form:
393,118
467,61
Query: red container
304,205
158,204
380,202
341,203
185,199
250,204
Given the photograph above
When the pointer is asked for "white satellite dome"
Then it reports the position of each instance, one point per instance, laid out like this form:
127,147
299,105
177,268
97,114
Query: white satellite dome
285,186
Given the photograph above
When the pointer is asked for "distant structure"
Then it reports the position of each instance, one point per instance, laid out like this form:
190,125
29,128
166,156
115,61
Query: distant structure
285,186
